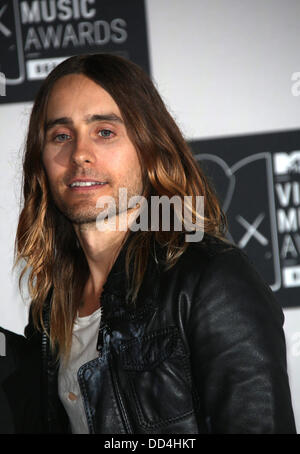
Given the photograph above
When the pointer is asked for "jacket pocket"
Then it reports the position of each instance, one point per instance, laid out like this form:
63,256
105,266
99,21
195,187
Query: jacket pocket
158,382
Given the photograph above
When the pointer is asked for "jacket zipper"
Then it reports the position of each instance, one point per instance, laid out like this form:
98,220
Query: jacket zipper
99,347
103,329
45,362
121,405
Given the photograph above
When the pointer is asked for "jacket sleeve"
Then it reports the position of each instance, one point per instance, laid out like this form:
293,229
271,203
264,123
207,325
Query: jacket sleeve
19,385
238,351
7,368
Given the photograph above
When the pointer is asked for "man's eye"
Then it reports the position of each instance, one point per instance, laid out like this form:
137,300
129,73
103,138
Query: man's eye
105,133
61,137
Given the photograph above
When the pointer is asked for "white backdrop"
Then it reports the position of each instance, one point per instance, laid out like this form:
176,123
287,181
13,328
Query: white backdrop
224,68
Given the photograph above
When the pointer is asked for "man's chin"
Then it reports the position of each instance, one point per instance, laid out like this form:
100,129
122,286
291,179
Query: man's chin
82,221
80,218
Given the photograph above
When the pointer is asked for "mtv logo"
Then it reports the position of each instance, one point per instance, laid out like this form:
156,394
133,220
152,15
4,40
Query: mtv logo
2,344
291,276
2,84
286,163
250,208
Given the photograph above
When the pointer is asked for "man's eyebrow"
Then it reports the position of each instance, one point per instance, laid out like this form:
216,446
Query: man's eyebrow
88,119
57,121
103,117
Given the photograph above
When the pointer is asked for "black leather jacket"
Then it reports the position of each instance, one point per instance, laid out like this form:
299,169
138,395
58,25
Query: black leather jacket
203,351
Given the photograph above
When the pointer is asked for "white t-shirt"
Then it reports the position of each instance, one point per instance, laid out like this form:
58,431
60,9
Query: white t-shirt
83,350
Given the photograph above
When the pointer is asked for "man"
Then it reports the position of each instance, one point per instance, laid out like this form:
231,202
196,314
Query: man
141,331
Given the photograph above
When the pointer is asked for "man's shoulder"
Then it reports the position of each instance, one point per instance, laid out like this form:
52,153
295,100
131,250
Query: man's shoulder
215,266
214,261
211,251
195,260
210,247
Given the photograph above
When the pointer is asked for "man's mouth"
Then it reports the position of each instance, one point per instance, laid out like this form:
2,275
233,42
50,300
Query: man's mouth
82,184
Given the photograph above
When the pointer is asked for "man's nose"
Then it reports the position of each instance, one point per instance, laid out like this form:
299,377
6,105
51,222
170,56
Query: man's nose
82,151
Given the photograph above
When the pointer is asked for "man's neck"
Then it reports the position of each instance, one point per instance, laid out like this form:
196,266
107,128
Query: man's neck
101,250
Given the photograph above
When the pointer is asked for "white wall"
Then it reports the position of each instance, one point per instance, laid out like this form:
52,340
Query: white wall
224,68
13,122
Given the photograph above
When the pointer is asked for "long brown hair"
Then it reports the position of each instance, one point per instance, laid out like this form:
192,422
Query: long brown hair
46,239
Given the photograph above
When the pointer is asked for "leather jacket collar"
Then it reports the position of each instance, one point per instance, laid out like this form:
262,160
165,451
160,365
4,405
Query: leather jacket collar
117,283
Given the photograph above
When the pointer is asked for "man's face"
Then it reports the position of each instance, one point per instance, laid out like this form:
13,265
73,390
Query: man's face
87,151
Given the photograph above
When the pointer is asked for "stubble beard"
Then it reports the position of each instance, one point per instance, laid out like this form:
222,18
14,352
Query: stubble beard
85,211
